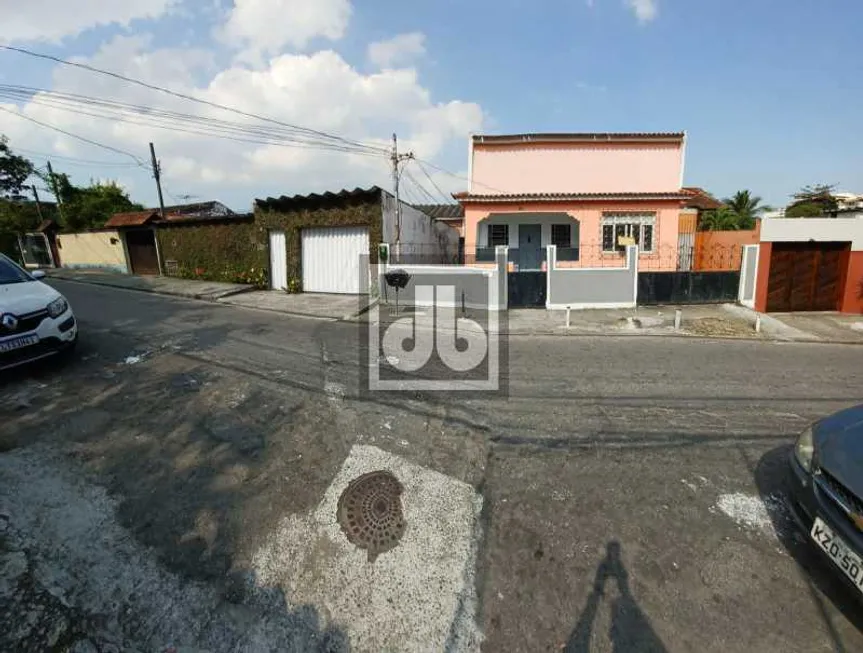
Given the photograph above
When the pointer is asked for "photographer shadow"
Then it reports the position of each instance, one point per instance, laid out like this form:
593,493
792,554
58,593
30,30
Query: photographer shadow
630,630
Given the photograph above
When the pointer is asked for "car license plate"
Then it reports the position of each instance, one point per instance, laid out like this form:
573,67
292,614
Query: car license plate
17,343
839,552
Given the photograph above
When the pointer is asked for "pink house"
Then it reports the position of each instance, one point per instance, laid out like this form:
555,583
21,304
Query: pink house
591,195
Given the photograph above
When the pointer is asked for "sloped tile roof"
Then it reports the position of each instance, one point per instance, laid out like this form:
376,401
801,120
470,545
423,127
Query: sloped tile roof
700,198
441,211
132,218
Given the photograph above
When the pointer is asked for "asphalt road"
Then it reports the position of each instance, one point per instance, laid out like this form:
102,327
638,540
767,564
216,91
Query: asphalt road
632,486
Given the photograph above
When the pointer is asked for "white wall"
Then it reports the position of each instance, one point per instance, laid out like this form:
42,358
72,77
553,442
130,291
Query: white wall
417,229
777,230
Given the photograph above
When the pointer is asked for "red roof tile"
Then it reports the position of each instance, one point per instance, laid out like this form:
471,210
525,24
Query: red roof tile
700,198
132,219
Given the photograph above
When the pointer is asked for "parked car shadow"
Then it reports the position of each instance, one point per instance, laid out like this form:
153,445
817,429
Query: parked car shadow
824,584
630,631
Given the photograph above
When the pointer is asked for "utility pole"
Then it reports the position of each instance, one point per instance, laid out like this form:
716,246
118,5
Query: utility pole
38,203
156,175
396,159
56,192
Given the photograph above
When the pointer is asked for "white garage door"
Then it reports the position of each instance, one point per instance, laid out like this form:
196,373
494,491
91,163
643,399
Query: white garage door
331,258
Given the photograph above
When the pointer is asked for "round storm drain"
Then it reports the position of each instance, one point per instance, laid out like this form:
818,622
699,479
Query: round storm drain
370,512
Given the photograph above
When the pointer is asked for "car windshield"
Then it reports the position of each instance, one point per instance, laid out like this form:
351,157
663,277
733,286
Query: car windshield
11,273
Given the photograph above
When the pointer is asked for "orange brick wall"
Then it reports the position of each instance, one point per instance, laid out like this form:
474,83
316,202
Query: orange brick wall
723,250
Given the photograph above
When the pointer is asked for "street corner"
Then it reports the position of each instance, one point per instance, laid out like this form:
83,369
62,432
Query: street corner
388,555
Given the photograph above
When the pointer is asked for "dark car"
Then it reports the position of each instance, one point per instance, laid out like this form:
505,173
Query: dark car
827,489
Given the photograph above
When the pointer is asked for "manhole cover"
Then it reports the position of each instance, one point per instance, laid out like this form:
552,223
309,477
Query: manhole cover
370,512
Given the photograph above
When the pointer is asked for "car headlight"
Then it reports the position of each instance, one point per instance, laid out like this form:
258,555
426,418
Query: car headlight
805,449
57,307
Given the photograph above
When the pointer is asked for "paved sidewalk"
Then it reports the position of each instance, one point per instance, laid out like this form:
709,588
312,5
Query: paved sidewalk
711,321
318,305
209,290
833,327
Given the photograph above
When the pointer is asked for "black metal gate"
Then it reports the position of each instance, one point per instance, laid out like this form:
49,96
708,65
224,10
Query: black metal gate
687,287
526,289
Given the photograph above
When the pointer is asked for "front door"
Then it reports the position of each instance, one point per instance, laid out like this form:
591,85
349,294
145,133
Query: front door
529,246
141,245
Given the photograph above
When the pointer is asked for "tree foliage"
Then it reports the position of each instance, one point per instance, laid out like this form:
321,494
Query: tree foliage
14,170
737,213
87,207
813,201
747,207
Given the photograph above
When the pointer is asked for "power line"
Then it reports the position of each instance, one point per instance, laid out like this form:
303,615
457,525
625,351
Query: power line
461,177
191,98
80,138
419,186
163,119
75,160
432,182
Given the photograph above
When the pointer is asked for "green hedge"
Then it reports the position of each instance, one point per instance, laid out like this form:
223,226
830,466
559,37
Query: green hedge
293,222
235,253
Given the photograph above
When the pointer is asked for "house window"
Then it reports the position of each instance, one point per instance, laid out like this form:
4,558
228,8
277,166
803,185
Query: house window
498,234
561,235
620,226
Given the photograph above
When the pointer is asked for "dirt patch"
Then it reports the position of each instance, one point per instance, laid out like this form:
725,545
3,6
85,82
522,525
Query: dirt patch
718,326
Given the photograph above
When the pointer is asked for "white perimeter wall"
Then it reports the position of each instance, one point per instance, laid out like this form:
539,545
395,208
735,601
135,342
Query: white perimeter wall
778,230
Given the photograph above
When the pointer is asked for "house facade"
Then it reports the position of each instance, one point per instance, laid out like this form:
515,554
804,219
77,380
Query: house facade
589,194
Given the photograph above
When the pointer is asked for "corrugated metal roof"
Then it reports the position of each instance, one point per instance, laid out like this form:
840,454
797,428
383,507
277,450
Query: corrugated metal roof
285,203
132,218
558,197
579,136
441,211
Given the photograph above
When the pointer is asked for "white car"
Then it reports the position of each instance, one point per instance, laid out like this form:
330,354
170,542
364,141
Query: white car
35,320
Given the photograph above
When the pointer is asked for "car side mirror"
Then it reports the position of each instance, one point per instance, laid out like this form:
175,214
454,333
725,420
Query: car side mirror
38,274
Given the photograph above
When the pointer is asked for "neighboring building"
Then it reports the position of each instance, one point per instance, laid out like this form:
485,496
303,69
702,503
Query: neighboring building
450,214
810,264
319,239
137,230
590,194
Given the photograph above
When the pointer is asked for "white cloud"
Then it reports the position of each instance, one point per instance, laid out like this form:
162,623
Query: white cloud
645,10
53,20
398,50
268,26
320,91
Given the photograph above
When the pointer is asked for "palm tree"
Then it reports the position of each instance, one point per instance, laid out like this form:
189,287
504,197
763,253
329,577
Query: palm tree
747,207
721,219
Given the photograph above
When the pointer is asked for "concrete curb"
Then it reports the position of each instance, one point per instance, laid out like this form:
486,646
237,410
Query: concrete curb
213,297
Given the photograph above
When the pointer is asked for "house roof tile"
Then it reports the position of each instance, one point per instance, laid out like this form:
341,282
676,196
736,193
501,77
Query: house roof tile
561,197
579,137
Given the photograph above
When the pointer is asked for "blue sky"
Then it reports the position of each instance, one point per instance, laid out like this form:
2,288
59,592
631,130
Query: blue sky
769,92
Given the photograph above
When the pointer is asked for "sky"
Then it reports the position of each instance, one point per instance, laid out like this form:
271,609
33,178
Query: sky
768,91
